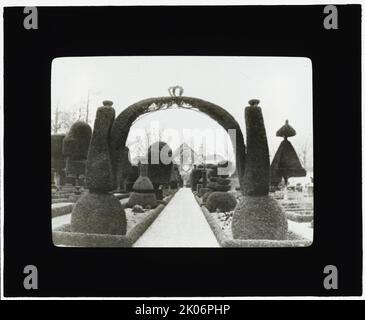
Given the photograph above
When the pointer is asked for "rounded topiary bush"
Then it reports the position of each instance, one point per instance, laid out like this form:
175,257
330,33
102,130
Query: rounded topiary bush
259,218
98,213
77,141
221,200
143,193
159,162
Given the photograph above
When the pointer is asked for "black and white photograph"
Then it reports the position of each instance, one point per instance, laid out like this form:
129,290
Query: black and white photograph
182,152
157,153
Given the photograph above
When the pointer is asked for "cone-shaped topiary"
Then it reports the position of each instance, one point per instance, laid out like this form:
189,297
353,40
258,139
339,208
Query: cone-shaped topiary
143,185
257,216
98,211
143,191
257,177
99,175
223,201
286,163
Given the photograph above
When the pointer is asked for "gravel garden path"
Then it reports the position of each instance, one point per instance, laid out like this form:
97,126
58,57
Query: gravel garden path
180,224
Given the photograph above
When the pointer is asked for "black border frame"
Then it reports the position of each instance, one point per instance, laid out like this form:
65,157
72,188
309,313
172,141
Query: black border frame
175,30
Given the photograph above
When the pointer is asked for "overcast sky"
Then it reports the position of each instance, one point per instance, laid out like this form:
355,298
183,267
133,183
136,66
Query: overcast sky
283,85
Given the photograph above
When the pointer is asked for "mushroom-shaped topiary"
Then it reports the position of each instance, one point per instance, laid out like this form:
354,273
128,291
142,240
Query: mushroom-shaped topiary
223,201
286,131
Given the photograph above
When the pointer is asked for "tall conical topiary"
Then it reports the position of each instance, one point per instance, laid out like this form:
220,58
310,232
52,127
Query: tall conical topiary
286,163
257,215
98,211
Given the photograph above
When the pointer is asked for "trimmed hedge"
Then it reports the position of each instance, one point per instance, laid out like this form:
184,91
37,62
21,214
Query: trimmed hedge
159,173
206,195
57,161
98,213
77,140
294,240
75,167
299,217
259,218
256,179
64,237
61,208
203,191
217,187
99,175
195,175
221,200
124,168
142,199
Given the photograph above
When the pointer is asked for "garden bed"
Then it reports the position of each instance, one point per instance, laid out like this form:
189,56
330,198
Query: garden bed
220,223
299,217
61,208
137,224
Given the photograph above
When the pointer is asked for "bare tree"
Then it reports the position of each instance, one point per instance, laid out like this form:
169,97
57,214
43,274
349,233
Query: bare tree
61,121
304,154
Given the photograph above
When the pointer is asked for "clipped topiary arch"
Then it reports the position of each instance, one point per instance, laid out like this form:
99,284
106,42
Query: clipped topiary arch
126,118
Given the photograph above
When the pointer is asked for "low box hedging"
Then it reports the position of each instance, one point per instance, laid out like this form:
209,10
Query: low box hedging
62,236
294,240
